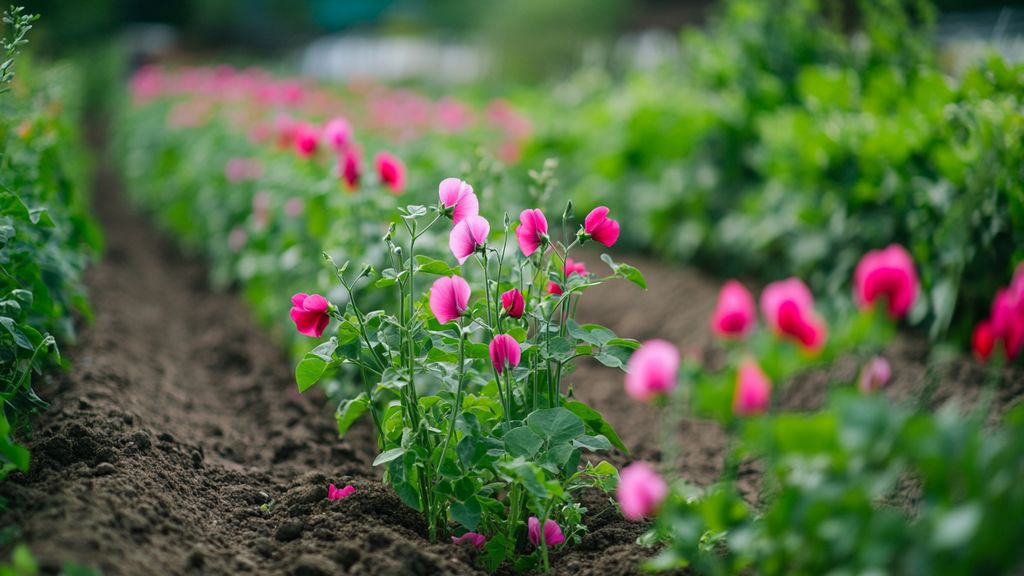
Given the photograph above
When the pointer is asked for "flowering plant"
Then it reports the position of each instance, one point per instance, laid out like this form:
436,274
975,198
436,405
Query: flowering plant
467,377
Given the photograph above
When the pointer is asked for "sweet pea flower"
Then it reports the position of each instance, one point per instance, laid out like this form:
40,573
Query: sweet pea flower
391,171
293,207
309,312
505,352
468,236
652,370
600,227
476,539
349,168
552,532
449,298
753,390
874,375
982,341
888,273
335,493
306,137
513,303
571,267
457,196
641,490
734,314
532,231
1007,322
338,134
788,307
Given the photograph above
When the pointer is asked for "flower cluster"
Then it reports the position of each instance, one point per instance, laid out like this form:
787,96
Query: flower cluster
1005,323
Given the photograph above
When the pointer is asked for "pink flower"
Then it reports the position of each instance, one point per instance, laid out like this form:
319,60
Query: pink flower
478,540
468,236
338,134
350,170
652,370
983,341
505,352
788,307
753,390
391,171
532,231
293,207
888,273
306,137
641,490
874,375
600,227
552,532
284,128
335,493
236,170
1007,322
735,314
513,303
309,312
555,289
449,298
571,267
458,196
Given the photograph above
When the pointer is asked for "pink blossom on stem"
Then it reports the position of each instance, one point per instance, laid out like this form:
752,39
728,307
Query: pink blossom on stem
338,134
753,390
552,532
735,313
600,227
309,312
652,370
476,539
306,137
513,303
391,171
349,168
641,490
788,307
449,298
889,273
293,207
505,352
532,230
458,196
983,341
468,236
1008,322
335,493
874,375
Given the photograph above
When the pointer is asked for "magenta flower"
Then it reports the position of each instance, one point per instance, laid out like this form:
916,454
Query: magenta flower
753,390
468,236
458,196
335,493
338,134
306,137
983,341
571,267
449,298
350,170
735,314
641,490
513,303
391,171
1007,322
874,375
555,289
505,352
532,231
652,370
552,532
888,273
600,227
788,307
478,540
309,312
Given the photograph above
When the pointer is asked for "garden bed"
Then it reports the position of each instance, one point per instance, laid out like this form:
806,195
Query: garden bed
179,444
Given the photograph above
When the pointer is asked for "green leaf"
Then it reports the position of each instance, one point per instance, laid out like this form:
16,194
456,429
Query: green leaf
494,551
349,411
428,265
388,455
556,425
522,441
625,271
309,371
467,513
560,348
595,423
592,443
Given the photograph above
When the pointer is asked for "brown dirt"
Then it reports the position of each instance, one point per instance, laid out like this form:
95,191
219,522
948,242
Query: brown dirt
180,418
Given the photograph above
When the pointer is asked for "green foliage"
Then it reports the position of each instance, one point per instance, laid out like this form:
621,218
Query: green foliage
778,144
46,235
